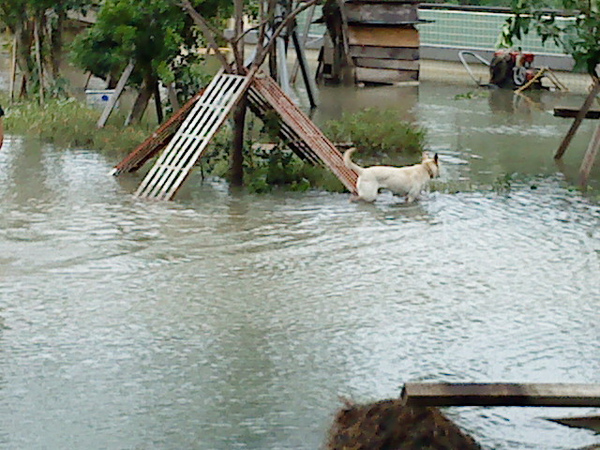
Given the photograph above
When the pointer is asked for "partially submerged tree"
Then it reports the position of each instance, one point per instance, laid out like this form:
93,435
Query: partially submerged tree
37,26
274,17
154,34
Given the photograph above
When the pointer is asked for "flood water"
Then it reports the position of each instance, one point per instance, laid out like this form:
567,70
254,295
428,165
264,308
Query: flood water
225,320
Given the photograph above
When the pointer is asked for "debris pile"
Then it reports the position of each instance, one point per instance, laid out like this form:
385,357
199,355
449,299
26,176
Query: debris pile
390,425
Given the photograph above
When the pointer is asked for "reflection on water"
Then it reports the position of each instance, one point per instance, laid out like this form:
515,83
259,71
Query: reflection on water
228,320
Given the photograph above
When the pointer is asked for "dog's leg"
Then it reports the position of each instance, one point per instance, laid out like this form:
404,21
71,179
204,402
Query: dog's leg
412,196
367,190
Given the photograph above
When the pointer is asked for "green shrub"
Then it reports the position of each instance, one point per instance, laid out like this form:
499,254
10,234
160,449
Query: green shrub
71,123
377,132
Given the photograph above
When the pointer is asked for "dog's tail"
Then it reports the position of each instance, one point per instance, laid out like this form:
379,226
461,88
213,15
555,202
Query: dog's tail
349,163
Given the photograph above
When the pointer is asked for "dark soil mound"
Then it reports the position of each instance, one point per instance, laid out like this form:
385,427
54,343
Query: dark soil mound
389,425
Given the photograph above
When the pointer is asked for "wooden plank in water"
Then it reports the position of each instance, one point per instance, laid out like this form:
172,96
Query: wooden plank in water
157,141
589,157
565,111
588,422
383,36
587,104
188,143
500,394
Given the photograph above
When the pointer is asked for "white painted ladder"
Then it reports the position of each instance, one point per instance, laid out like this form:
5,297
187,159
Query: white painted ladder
188,143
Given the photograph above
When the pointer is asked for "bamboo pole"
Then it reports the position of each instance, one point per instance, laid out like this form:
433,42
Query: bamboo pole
589,157
38,55
536,77
577,122
13,69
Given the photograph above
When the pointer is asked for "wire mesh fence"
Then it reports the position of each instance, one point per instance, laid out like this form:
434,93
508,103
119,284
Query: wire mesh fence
477,30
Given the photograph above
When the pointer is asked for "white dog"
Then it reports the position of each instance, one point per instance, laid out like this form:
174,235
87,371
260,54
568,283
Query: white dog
408,181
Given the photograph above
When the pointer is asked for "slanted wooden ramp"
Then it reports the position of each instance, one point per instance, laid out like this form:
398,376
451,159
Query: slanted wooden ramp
188,143
297,130
206,116
157,141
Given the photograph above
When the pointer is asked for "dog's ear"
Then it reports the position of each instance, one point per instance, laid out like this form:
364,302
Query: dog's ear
424,156
435,159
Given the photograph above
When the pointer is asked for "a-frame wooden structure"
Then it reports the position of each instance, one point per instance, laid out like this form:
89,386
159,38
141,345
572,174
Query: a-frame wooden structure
205,113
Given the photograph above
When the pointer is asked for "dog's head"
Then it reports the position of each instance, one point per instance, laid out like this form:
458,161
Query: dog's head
431,164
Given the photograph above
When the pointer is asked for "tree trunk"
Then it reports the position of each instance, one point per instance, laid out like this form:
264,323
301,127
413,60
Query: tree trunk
142,100
237,151
24,37
56,44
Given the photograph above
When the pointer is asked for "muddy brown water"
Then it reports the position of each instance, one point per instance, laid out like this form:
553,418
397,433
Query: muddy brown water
228,320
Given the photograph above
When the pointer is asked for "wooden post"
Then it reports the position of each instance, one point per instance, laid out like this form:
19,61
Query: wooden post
158,103
580,116
237,151
301,58
118,91
589,157
172,94
309,19
500,394
282,72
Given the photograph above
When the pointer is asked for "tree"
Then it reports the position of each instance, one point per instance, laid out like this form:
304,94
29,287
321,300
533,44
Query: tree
154,34
37,26
579,37
271,23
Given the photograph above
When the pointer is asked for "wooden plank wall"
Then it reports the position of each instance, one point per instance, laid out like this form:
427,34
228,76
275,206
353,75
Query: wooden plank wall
383,41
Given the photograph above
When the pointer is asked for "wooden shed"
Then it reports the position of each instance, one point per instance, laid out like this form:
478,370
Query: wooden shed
380,42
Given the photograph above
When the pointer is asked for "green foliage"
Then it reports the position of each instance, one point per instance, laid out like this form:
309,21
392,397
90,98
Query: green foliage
267,167
156,34
472,95
377,132
579,37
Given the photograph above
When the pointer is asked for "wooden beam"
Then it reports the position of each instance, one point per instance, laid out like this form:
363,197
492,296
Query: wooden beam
580,115
383,13
403,53
589,157
565,111
500,394
301,59
383,36
588,422
158,103
376,63
116,94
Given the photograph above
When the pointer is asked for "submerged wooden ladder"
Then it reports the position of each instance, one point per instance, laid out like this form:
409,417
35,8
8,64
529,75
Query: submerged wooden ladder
208,114
297,130
156,141
196,131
